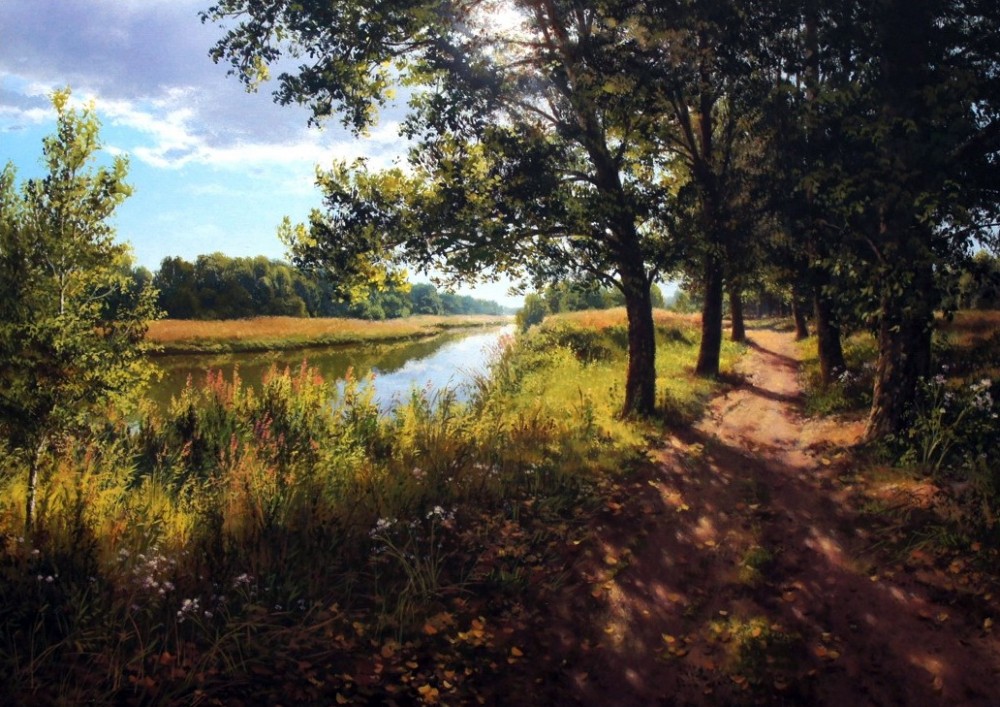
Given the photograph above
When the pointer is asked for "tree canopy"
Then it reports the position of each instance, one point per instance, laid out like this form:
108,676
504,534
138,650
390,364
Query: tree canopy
619,139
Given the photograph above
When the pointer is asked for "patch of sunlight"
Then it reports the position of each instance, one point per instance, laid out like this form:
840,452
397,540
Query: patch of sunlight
932,665
828,547
705,531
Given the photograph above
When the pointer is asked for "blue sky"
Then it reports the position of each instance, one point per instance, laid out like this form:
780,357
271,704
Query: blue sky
214,168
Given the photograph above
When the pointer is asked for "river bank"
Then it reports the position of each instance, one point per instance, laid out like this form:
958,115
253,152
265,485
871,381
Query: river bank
183,336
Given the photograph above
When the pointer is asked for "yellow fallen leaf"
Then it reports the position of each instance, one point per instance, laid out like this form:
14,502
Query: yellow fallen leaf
987,624
516,652
667,638
429,694
341,700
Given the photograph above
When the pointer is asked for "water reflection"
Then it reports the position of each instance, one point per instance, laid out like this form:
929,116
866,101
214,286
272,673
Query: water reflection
448,360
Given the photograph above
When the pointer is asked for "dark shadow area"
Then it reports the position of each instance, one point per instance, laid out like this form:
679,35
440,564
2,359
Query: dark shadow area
752,578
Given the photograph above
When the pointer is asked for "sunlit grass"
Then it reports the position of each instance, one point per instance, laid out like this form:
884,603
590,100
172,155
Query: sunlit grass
244,517
268,333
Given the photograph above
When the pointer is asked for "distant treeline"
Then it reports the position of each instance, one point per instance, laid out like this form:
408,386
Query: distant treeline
217,286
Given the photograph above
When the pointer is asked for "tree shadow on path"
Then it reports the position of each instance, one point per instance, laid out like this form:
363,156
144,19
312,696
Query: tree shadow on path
739,571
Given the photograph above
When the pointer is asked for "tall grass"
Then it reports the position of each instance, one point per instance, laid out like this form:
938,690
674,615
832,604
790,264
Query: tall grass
200,547
271,333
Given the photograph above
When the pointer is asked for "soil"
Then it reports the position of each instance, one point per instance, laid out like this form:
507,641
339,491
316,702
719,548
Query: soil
752,562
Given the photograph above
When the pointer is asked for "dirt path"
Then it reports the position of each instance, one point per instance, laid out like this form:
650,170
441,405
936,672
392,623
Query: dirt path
752,580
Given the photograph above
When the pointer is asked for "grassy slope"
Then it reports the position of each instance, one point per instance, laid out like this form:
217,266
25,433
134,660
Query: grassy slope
274,544
272,333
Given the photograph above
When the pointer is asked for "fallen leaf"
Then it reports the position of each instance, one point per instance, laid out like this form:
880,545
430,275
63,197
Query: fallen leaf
516,652
429,694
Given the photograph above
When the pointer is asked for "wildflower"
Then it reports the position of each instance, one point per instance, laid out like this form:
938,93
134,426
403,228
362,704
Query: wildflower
381,525
437,511
243,579
418,473
208,614
188,606
50,579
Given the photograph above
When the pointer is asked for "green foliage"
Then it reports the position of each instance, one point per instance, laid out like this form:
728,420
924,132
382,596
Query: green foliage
533,312
72,320
220,287
241,518
850,391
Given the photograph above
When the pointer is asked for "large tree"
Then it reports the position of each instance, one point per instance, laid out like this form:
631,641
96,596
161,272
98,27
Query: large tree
914,178
71,322
705,57
531,124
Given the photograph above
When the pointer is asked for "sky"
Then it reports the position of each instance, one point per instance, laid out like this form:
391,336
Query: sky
213,168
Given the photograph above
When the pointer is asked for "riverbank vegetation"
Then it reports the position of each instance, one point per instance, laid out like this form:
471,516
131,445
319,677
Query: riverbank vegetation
320,550
217,286
170,336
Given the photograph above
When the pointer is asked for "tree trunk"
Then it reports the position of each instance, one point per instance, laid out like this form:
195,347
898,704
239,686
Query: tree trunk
738,329
711,320
906,324
799,315
831,352
903,359
640,378
34,464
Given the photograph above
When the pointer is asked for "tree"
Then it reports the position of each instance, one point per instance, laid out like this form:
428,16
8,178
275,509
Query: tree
71,325
533,311
426,299
912,179
532,142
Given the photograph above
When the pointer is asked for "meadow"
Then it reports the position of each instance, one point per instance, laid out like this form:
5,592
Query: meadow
267,541
282,333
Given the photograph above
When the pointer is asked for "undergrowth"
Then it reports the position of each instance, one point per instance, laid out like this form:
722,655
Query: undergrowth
953,430
291,538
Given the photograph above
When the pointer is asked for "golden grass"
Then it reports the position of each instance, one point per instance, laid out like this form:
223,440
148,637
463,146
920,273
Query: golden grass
264,333
604,318
969,325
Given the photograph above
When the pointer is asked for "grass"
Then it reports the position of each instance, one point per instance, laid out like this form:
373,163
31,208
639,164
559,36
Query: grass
172,336
949,449
280,536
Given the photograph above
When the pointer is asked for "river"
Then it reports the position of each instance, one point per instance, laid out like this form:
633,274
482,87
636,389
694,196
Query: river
445,361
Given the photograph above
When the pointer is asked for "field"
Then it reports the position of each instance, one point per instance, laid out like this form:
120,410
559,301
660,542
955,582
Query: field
273,333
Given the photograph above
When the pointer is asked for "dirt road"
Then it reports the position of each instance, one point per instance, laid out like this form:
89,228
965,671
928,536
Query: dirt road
742,569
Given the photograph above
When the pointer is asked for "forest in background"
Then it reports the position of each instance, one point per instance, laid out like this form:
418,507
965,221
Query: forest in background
217,286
